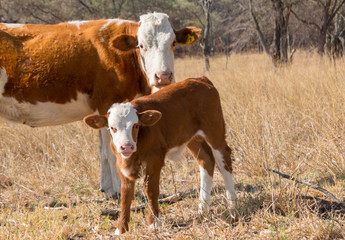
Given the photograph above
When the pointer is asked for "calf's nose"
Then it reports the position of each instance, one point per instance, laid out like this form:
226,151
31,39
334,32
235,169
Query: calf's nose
127,148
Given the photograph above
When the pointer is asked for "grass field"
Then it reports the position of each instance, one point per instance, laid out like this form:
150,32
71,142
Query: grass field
290,119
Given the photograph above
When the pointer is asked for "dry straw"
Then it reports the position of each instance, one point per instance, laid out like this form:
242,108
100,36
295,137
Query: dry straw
290,119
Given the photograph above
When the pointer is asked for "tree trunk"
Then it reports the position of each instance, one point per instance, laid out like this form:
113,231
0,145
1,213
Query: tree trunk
280,49
206,7
322,38
114,8
258,29
284,33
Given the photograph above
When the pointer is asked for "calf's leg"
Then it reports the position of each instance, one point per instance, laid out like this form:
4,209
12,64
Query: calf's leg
222,157
151,188
203,154
127,195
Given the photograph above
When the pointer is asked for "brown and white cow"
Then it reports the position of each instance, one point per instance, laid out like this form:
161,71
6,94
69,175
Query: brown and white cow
55,74
153,127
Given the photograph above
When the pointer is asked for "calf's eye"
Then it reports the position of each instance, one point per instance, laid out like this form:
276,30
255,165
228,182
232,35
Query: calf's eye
113,129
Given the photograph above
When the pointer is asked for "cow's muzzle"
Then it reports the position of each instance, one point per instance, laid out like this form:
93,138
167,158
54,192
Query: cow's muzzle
164,78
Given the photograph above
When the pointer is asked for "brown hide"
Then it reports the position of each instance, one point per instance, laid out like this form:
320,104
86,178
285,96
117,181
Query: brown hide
51,63
186,107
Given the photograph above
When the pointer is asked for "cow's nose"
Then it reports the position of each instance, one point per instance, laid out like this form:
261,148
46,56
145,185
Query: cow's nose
127,148
164,78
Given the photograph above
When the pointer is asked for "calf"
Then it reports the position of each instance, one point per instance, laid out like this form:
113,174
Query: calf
150,128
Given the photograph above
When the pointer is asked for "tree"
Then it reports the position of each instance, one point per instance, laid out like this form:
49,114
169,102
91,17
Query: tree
206,6
327,11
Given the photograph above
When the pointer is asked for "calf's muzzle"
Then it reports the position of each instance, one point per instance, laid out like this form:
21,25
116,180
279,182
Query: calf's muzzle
127,148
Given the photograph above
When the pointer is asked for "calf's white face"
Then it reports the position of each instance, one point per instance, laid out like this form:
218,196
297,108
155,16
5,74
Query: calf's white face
123,122
122,118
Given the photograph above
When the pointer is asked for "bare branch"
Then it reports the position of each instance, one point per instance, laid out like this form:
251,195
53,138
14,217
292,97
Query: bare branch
305,21
324,191
335,11
86,6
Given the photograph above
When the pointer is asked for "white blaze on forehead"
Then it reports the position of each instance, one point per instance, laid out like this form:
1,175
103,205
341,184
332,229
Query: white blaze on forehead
122,117
157,36
155,29
122,114
78,23
13,25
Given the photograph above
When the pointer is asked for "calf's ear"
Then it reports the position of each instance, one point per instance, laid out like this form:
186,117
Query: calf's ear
124,42
96,121
187,35
149,118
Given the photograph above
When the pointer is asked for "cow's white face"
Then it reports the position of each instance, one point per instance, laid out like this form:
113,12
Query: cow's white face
156,40
122,120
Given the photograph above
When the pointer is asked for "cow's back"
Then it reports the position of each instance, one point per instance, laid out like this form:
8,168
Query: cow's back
54,62
57,64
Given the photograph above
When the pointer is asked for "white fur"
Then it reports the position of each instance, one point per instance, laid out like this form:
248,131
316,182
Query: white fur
228,180
117,232
78,23
122,117
157,222
126,172
43,113
176,153
110,178
108,23
13,25
156,35
206,182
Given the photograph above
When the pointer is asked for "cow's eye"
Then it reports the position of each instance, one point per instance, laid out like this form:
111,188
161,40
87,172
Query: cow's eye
174,43
141,46
114,130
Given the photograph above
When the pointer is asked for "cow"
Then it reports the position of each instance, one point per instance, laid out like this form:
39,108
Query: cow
56,74
151,128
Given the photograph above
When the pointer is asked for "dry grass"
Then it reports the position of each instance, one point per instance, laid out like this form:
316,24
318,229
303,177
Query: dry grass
290,119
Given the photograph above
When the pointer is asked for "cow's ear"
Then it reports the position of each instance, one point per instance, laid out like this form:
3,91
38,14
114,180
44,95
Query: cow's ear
187,35
96,121
124,42
149,118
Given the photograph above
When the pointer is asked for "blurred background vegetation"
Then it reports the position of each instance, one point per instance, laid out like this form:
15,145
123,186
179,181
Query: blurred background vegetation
277,27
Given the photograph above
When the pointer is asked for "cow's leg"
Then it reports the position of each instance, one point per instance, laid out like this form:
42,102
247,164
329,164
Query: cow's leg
110,179
127,195
203,154
151,188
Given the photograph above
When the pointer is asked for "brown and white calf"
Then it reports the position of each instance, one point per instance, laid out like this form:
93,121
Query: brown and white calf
55,74
148,129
